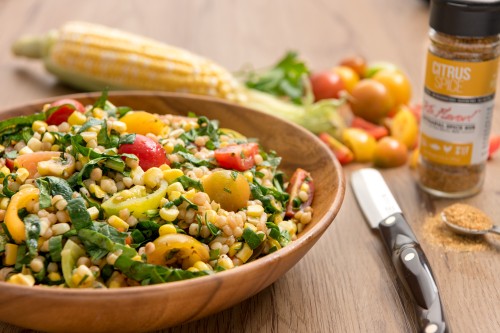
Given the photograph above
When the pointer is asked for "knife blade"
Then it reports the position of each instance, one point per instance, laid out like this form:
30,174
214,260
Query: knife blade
382,212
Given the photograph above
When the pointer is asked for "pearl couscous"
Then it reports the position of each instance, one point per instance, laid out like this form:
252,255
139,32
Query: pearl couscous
105,197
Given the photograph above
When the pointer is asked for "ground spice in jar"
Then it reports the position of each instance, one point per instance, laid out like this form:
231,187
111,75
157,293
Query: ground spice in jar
437,233
460,82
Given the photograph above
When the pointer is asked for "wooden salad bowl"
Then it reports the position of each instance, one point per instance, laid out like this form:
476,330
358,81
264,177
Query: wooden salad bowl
146,308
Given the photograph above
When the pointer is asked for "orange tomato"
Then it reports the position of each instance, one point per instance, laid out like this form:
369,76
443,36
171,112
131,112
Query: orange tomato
348,76
371,100
397,83
389,153
142,122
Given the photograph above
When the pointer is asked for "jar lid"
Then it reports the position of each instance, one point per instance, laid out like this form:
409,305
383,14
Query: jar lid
468,18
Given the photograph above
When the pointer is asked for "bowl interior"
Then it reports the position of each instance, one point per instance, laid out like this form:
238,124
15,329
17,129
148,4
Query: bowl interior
183,301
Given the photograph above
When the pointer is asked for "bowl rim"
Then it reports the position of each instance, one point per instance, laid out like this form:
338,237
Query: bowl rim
313,233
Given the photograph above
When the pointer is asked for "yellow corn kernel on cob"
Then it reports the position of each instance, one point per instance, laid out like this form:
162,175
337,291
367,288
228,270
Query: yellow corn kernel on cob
94,57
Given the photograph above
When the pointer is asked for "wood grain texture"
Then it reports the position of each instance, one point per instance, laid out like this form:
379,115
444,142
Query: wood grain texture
346,282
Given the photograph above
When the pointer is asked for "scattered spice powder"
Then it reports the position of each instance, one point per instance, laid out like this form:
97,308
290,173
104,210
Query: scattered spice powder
437,233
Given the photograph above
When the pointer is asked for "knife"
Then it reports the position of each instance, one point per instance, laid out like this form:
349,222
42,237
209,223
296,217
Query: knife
382,212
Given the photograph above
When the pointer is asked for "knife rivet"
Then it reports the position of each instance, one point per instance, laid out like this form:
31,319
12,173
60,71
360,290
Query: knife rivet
409,256
390,220
431,328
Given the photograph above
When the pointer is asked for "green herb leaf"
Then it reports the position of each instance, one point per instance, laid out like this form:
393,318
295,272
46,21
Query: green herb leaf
78,214
213,229
286,78
55,247
188,183
32,227
152,274
251,238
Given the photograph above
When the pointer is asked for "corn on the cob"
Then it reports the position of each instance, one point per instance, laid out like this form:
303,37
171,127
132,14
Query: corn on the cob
94,57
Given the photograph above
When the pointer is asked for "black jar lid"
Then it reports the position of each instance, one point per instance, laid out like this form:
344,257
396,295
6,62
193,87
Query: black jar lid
467,18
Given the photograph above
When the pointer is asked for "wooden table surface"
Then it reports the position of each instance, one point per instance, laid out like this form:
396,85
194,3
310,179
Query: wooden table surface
346,282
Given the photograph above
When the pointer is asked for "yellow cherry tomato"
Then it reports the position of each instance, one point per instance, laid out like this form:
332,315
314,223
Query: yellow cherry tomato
404,127
397,83
360,143
228,188
173,248
142,122
348,76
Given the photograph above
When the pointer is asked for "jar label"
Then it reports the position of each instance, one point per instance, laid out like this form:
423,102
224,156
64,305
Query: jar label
457,111
460,78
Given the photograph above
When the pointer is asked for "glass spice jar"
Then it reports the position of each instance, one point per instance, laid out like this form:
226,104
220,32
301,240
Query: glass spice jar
460,84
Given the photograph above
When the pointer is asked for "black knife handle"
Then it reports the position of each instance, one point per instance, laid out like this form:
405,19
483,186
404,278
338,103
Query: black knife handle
414,272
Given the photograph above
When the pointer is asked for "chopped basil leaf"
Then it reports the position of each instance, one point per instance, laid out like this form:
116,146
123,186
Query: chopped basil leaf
78,214
152,274
6,190
189,183
214,254
251,238
45,199
213,229
127,139
32,228
55,247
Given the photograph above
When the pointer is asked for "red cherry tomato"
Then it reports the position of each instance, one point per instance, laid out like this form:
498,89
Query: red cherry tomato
65,108
376,131
300,177
494,145
327,84
238,157
149,152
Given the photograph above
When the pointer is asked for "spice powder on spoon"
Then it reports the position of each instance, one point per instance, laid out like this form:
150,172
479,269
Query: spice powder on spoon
437,233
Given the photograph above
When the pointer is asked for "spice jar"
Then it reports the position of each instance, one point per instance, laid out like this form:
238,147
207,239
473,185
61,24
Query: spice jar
460,84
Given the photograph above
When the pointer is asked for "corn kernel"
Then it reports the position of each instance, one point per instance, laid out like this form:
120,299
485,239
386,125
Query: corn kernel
118,223
190,194
55,148
201,266
25,150
193,269
34,144
22,279
54,276
83,277
22,174
169,214
288,226
60,228
211,216
87,136
97,191
152,177
39,126
167,229
48,138
273,243
233,249
164,167
250,226
172,174
304,187
174,195
77,118
98,113
255,210
245,253
4,203
10,254
5,170
93,212
169,147
225,262
249,176
137,258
